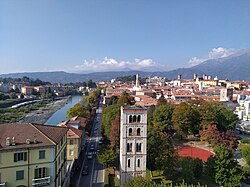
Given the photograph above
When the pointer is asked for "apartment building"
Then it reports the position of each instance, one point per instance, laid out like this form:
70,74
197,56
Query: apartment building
27,90
32,155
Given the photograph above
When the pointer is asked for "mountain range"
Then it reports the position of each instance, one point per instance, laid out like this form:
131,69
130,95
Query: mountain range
234,67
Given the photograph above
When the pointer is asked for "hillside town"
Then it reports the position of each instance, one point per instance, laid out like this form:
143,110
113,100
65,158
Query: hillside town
89,142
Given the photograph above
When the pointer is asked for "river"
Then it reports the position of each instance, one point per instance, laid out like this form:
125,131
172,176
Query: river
61,115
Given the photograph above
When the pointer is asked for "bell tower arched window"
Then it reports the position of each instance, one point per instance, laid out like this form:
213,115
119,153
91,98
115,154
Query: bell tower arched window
129,147
138,163
139,118
134,118
130,131
130,119
128,163
138,133
138,147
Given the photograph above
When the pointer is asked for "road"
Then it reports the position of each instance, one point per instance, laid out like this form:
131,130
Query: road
95,177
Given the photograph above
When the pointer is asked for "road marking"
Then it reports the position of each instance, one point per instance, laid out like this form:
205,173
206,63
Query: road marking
92,173
103,175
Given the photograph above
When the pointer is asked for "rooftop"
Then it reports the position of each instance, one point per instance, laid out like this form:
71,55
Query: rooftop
37,134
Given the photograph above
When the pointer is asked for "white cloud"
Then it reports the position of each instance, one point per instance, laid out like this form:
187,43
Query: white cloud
111,64
214,54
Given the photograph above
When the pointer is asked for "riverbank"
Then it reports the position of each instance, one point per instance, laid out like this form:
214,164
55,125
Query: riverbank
44,113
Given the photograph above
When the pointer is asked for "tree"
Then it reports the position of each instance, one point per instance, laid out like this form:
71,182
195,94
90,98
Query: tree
246,153
191,169
186,119
162,100
160,151
113,100
227,171
163,117
78,110
139,182
114,135
211,135
107,157
214,137
91,99
197,168
213,112
13,95
108,115
91,84
209,167
125,99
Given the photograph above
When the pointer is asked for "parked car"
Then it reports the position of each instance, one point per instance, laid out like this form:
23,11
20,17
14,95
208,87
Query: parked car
92,147
90,155
100,142
85,170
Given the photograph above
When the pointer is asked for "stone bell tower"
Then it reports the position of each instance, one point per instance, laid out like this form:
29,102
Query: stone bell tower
133,142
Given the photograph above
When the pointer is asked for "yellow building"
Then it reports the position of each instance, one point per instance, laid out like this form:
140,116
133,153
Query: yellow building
32,155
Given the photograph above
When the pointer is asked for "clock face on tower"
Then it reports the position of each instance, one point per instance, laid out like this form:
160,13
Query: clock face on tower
133,142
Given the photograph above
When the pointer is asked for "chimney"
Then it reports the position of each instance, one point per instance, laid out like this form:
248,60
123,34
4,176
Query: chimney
35,141
8,141
204,76
13,141
27,141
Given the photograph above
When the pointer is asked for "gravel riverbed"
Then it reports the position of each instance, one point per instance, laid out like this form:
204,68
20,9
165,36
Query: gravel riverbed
43,114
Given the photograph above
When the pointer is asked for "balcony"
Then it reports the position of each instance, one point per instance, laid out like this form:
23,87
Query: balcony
41,181
2,184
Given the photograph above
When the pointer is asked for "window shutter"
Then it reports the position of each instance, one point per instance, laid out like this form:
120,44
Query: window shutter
15,157
36,173
25,156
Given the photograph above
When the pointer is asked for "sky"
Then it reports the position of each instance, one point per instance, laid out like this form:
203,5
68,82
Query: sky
104,35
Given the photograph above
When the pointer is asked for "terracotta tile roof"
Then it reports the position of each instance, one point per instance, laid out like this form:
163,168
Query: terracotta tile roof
44,135
73,132
54,133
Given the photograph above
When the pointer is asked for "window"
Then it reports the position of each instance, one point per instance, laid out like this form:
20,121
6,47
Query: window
138,118
42,154
134,118
130,131
138,163
71,152
20,175
138,132
20,156
71,142
40,173
0,178
130,119
129,147
128,163
138,147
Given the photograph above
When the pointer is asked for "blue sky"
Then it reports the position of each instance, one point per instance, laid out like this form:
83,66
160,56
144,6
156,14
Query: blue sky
100,35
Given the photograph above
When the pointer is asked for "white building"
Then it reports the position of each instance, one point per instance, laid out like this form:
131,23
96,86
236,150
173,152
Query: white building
133,142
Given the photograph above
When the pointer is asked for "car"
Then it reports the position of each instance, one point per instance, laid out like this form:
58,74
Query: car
85,170
90,155
92,148
100,142
96,128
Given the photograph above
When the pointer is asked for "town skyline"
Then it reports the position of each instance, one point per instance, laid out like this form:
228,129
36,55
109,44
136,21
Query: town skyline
101,36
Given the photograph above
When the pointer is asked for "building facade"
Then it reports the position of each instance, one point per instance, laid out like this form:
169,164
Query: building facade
133,142
32,155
